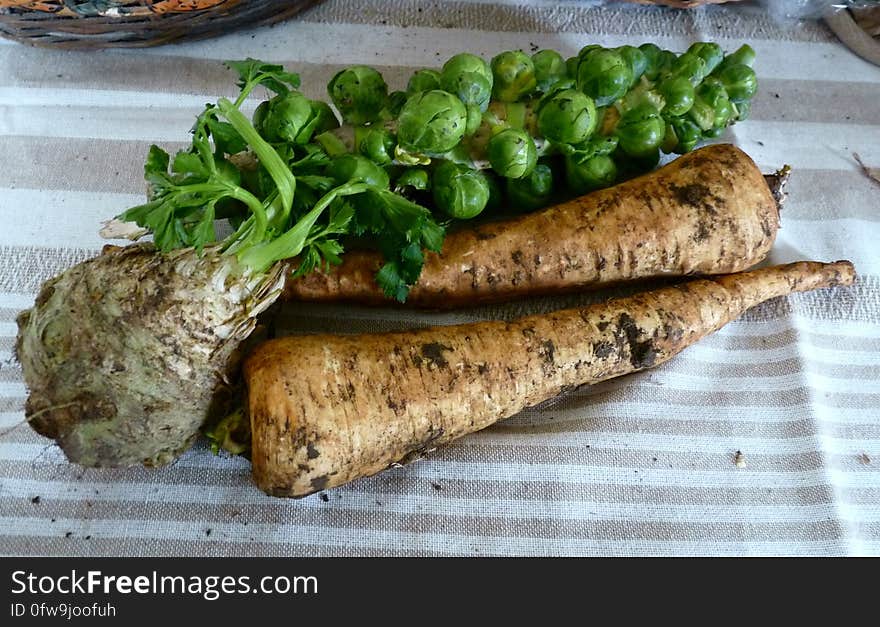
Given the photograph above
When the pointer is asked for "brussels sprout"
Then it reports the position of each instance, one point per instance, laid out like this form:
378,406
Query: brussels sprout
376,144
431,122
356,168
323,119
260,114
604,76
533,191
744,55
635,59
593,147
423,80
514,76
713,132
549,68
665,62
678,95
567,116
512,153
670,139
640,131
687,134
395,102
652,54
571,66
416,178
471,88
468,77
712,108
459,191
587,50
710,53
691,67
359,92
474,119
285,116
464,63
583,176
742,110
642,93
740,82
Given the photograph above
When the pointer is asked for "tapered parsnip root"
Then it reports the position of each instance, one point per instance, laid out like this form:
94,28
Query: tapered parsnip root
327,409
708,212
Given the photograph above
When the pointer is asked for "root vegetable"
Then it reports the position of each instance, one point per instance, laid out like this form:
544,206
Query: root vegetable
126,355
327,409
707,212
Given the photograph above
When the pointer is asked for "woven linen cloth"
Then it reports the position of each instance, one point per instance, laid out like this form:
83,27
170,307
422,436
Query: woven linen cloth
645,464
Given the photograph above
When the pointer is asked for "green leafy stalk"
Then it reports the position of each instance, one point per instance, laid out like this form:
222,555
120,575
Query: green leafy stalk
291,242
269,158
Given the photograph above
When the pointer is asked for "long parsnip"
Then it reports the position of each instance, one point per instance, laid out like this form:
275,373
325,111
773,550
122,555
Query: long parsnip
708,212
327,409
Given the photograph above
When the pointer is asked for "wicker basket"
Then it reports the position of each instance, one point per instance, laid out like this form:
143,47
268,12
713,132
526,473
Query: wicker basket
139,23
109,23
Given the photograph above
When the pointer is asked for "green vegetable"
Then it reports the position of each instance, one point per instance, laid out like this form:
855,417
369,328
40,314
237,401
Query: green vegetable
550,68
514,76
744,55
678,95
288,206
323,117
415,178
583,176
459,191
742,110
571,66
359,92
593,147
710,53
652,55
739,81
285,117
376,144
533,191
358,169
691,67
474,119
431,122
567,116
640,131
643,93
635,59
682,135
604,76
665,63
468,77
512,153
712,108
395,102
423,80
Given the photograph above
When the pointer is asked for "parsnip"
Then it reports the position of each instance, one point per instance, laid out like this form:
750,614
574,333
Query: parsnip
327,409
708,212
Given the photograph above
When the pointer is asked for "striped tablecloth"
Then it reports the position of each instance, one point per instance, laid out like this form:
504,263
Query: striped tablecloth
641,465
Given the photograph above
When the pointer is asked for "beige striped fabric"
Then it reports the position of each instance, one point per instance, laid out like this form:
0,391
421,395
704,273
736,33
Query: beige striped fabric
641,465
